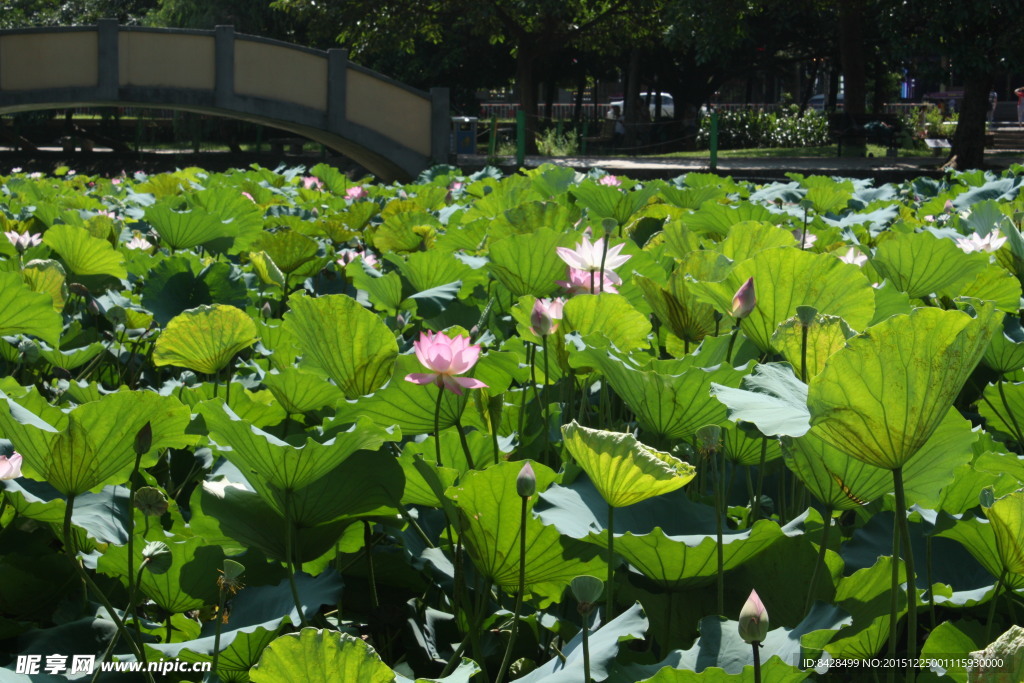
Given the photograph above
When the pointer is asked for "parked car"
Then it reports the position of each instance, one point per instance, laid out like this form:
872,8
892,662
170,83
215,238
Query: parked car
818,101
668,107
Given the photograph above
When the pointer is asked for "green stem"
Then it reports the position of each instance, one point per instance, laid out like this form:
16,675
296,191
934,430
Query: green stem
465,444
222,599
1013,418
544,406
604,255
756,513
437,424
609,589
586,647
757,662
928,574
371,576
720,549
821,558
803,354
908,563
992,608
732,342
519,595
290,565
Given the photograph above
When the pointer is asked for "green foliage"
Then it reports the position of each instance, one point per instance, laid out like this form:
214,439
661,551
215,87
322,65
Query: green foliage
746,128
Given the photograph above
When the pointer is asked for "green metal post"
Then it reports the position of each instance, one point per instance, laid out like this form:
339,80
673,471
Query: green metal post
520,137
492,144
583,137
713,141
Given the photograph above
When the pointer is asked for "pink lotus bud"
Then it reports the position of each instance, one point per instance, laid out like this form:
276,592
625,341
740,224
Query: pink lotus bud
753,625
744,300
526,482
545,316
10,467
948,206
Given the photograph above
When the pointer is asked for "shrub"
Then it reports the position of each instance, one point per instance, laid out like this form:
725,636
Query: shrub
755,128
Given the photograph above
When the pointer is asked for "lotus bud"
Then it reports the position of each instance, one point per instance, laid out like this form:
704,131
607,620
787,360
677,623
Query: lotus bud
10,466
744,300
266,310
753,626
544,316
948,206
157,557
151,501
526,482
144,439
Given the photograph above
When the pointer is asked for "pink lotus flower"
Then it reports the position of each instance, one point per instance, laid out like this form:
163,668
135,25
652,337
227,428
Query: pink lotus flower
138,242
10,467
609,180
446,357
311,182
808,238
855,256
545,316
587,257
249,197
24,240
347,256
356,192
744,300
975,242
579,282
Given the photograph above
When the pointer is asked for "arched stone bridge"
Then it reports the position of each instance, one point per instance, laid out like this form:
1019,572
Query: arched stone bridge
391,129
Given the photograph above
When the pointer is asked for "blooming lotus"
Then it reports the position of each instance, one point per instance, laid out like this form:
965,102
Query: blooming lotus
138,242
807,238
610,181
446,358
975,242
855,256
357,192
545,316
579,282
311,182
24,240
347,256
587,256
10,467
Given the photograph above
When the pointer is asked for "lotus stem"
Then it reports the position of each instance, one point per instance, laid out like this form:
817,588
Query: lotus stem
908,563
221,600
586,647
604,255
289,542
609,603
465,444
719,547
821,559
803,354
507,660
732,342
928,574
992,608
757,661
437,425
544,405
1018,434
760,479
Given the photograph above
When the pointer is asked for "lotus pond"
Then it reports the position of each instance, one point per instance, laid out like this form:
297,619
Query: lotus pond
539,427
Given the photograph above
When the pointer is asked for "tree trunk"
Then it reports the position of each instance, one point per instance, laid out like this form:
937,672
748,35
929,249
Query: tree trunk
851,50
969,139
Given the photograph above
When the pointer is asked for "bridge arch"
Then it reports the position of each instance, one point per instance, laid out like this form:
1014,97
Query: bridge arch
394,131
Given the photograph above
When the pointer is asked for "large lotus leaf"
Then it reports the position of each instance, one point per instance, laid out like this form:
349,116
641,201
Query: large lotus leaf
603,201
834,478
669,397
345,224
48,277
258,408
426,270
979,538
95,447
688,197
1002,407
343,340
533,215
1005,353
69,359
277,462
610,315
301,392
84,254
787,278
825,335
993,284
689,561
405,231
624,470
528,264
185,229
718,219
745,446
183,282
603,646
928,473
288,249
490,511
880,398
407,405
103,516
205,338
1006,518
750,237
320,656
675,305
189,583
921,264
241,218
866,595
951,643
23,311
383,289
772,397
267,270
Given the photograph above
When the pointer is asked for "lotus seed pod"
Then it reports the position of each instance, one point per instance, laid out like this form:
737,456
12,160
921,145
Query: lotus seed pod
806,315
753,625
526,482
586,589
151,501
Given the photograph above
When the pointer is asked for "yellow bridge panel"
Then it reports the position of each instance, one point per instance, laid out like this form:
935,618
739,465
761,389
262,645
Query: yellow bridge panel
280,73
389,110
34,61
166,60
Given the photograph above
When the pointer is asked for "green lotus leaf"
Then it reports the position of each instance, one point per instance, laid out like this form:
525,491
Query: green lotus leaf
528,264
676,306
993,284
266,269
978,536
830,198
48,277
610,315
258,408
688,197
604,201
24,311
951,643
426,270
288,249
69,359
624,470
94,445
718,219
187,584
866,595
185,229
490,511
747,447
669,397
787,278
343,340
405,231
279,463
825,335
881,397
84,254
383,289
345,224
1005,353
922,264
750,237
772,397
320,656
182,282
204,339
1006,517
684,562
301,392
